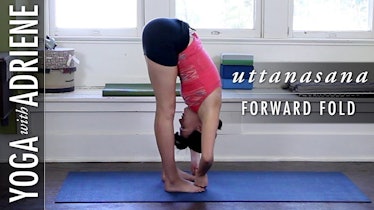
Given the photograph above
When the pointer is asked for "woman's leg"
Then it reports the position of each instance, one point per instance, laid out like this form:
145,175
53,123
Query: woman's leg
209,115
163,79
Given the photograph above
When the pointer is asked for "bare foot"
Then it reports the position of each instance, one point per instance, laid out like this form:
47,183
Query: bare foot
186,176
182,174
182,185
201,181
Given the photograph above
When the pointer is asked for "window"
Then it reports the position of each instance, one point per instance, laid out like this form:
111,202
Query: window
95,17
333,18
219,19
222,18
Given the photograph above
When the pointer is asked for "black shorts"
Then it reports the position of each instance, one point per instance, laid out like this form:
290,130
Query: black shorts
164,38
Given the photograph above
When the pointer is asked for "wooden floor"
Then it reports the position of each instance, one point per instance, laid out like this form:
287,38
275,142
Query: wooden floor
362,174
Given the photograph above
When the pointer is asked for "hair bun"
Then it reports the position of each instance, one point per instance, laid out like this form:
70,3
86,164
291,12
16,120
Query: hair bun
180,142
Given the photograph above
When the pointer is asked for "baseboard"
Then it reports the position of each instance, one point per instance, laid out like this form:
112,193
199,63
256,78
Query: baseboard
237,148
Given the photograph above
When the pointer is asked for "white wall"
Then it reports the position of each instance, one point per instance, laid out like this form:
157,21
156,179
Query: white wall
86,135
123,61
88,128
92,128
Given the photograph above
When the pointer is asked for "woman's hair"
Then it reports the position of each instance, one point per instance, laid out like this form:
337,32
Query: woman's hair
193,141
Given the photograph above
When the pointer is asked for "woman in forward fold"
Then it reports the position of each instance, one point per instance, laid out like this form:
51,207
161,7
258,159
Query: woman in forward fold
173,49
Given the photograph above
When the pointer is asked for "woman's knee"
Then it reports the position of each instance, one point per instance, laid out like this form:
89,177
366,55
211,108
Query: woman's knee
167,112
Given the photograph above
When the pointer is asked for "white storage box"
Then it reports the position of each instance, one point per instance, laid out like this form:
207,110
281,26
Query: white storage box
57,80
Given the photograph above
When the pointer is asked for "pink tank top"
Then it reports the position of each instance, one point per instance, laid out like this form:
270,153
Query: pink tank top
198,74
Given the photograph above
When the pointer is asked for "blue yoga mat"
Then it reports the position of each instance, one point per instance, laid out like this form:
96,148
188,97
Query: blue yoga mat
99,187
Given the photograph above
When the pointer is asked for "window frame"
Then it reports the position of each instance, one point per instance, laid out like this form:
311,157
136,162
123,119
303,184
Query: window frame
96,32
256,32
330,34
